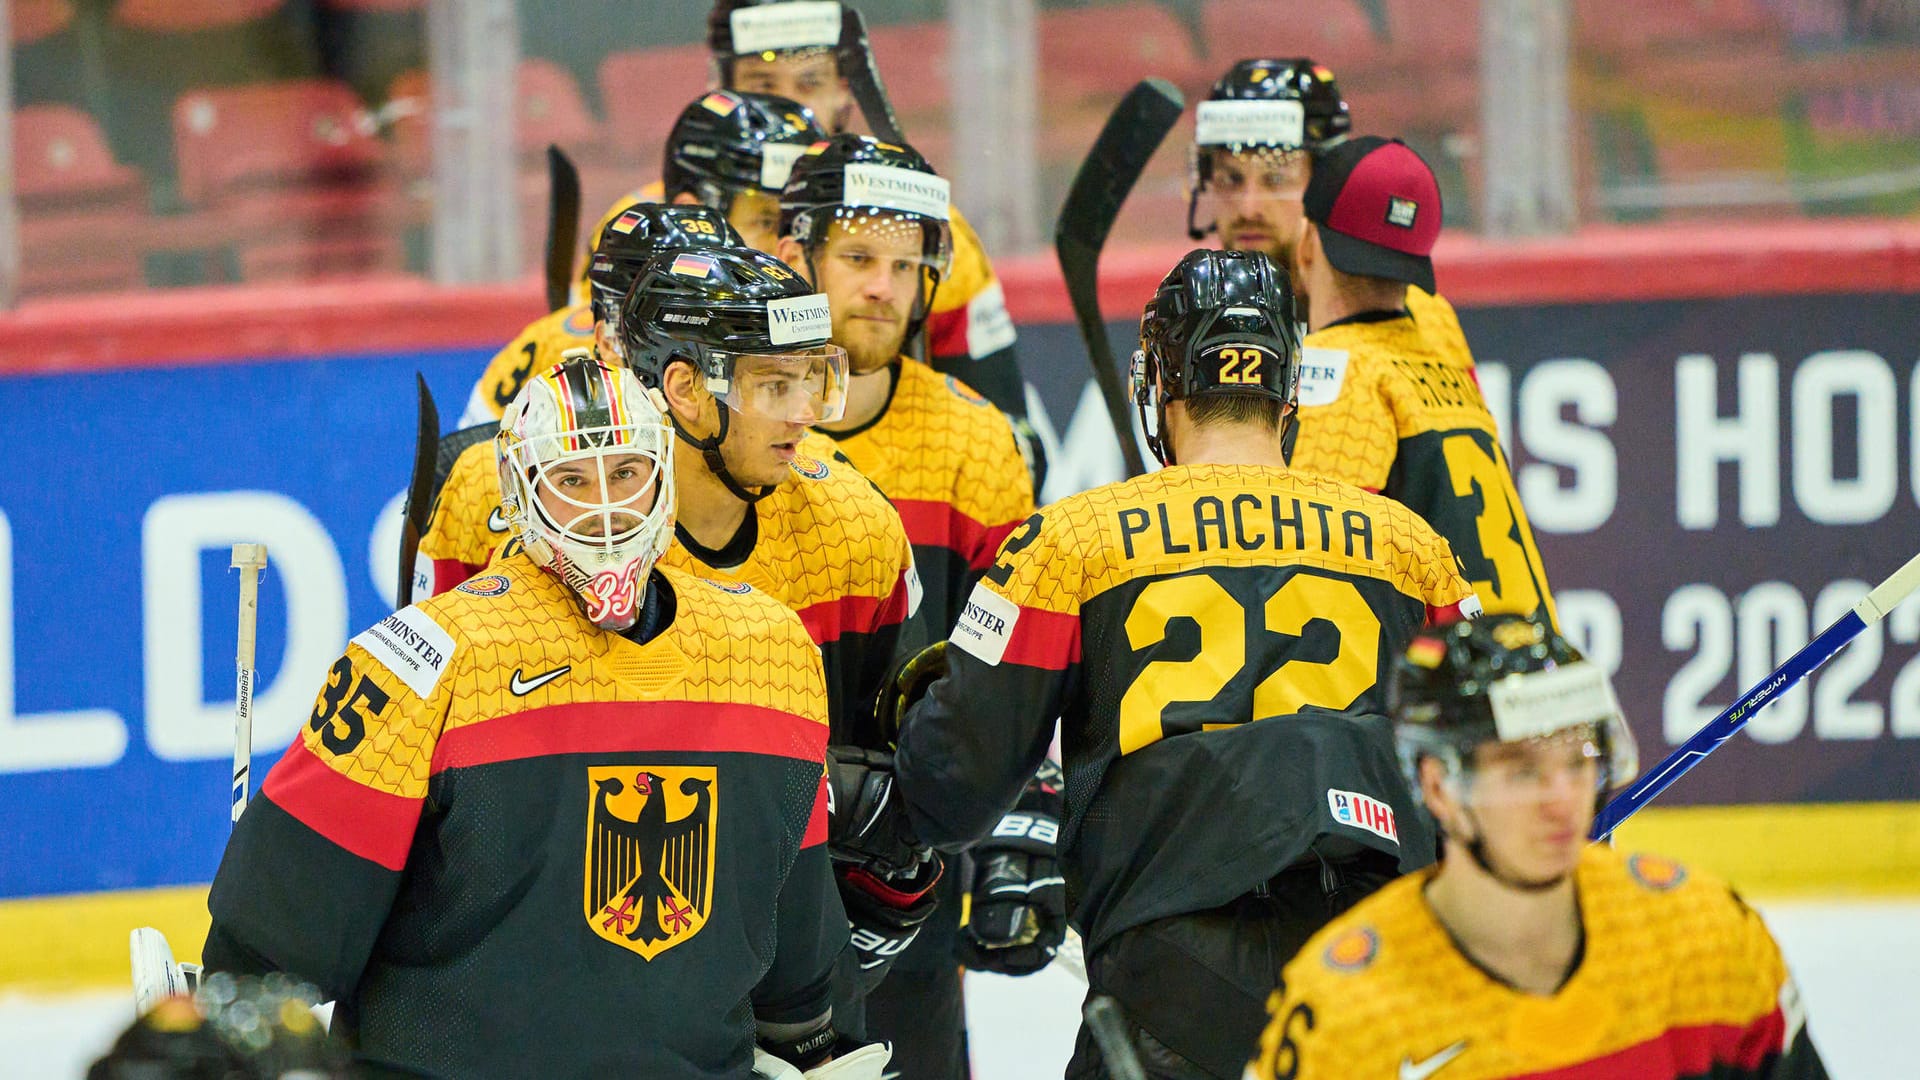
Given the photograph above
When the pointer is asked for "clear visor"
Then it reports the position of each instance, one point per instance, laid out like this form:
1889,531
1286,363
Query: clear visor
801,386
903,243
1571,761
1255,190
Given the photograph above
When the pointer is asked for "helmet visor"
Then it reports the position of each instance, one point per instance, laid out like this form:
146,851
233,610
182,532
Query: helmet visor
803,385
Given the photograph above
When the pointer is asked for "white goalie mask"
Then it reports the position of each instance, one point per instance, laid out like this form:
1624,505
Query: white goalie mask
586,482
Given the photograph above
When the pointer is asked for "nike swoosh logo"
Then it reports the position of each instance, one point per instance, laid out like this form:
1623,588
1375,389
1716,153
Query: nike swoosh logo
497,521
523,686
1412,1070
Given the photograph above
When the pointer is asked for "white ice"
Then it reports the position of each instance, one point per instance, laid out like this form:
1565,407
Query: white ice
1858,964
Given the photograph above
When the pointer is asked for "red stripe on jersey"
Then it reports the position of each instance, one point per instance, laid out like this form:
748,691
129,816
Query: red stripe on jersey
1441,616
829,619
373,824
1683,1052
1044,639
447,573
817,821
947,333
665,727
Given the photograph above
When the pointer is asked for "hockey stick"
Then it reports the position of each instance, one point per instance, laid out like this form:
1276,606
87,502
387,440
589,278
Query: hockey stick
1884,598
420,494
249,559
1102,1015
1119,156
863,77
563,225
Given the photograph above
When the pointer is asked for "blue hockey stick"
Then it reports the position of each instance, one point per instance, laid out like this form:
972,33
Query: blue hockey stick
1884,598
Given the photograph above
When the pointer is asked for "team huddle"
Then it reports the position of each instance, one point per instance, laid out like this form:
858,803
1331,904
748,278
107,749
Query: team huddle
746,697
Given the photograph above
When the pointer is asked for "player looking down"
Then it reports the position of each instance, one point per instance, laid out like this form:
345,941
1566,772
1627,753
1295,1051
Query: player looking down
1212,636
866,222
1528,951
418,854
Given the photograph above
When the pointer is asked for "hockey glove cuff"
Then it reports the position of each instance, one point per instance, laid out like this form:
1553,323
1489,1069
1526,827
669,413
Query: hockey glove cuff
1017,899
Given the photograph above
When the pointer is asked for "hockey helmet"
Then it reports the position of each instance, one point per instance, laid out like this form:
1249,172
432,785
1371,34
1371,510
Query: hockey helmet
729,142
586,482
1278,105
630,239
1221,322
1498,679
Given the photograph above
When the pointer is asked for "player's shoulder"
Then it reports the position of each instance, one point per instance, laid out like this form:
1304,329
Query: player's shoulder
568,326
1657,894
829,503
750,648
956,427
1383,957
733,607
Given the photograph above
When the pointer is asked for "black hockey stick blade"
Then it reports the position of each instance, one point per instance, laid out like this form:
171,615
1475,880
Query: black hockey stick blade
863,78
563,225
420,492
1135,130
1109,1030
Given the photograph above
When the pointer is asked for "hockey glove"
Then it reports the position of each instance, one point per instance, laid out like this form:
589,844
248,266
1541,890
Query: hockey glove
850,1062
907,683
1017,900
886,879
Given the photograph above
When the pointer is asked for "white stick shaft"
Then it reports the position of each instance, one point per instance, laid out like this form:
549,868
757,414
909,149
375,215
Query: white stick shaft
250,559
1887,595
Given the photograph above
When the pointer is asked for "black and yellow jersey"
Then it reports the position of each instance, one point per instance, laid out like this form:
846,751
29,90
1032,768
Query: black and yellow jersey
491,787
948,460
826,543
1383,408
538,347
1677,980
1440,325
1193,629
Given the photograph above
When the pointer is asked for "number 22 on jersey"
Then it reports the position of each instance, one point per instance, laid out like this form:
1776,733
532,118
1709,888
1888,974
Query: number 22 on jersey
1223,652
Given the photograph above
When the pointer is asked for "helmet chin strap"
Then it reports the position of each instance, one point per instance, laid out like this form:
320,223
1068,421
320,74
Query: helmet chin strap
710,453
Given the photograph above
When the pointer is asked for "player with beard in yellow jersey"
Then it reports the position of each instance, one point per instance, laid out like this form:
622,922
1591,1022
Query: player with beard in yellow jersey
1380,406
1253,145
1529,952
866,222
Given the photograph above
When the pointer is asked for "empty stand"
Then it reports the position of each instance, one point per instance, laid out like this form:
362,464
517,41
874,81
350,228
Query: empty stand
186,16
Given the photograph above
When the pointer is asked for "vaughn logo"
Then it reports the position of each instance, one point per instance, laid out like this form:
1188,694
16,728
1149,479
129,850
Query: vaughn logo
986,625
649,858
893,188
1363,812
412,646
799,318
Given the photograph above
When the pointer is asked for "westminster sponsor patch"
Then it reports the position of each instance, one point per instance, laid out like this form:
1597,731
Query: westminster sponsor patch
1250,123
412,646
1322,372
985,625
649,858
1363,812
890,187
801,24
776,163
794,319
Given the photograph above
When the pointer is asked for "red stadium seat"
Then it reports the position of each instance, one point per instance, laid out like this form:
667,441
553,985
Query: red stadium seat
1106,49
78,205
1337,35
552,110
912,59
31,20
304,132
184,16
642,91
60,157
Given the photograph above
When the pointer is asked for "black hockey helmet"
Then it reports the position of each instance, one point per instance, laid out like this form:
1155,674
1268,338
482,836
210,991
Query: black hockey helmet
753,330
1502,678
631,238
861,183
1273,104
728,142
1221,322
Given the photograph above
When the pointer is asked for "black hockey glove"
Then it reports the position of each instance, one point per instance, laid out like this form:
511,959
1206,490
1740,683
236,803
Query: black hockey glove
886,879
1017,899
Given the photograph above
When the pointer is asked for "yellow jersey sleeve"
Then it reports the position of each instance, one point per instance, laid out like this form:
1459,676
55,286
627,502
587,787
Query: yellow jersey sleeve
466,527
539,347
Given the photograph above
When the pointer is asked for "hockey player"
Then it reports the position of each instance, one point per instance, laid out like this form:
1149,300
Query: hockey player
798,48
622,244
866,222
1380,407
737,345
568,818
1528,951
1212,637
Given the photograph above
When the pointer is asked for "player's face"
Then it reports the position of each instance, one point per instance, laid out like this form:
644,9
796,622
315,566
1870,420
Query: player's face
573,494
1532,804
756,215
871,271
811,78
1255,197
758,450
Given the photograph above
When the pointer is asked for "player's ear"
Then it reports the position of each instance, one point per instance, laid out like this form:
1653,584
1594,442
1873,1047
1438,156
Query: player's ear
685,198
680,385
789,251
1434,790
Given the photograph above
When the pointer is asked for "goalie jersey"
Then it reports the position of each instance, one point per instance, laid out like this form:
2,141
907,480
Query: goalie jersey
1677,980
948,460
826,543
510,843
1209,636
1385,408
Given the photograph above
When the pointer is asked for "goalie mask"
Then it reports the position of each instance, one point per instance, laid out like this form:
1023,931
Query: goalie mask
1220,323
1269,113
586,482
630,240
734,151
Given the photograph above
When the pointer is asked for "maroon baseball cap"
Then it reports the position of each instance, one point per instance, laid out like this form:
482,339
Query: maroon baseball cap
1378,208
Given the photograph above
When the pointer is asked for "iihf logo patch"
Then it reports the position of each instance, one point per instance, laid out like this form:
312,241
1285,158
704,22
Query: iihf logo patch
1363,812
1401,211
811,468
490,585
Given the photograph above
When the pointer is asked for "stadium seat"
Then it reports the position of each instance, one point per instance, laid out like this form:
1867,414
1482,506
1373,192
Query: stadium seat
1336,35
552,110
186,16
912,59
72,194
60,158
31,20
1106,49
643,90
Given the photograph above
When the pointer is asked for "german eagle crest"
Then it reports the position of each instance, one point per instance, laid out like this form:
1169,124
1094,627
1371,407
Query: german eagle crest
649,879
